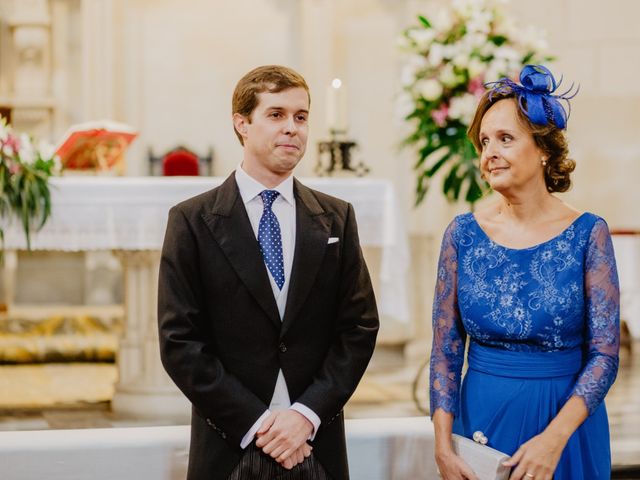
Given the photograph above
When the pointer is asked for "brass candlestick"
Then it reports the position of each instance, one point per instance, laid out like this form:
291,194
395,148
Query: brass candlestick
335,155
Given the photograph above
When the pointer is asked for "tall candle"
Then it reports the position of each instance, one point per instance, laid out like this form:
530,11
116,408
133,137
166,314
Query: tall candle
337,106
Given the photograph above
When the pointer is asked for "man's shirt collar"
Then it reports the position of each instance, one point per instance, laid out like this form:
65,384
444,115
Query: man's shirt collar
250,188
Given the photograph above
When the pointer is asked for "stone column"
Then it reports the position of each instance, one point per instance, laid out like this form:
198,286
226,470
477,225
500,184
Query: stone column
143,389
30,97
9,279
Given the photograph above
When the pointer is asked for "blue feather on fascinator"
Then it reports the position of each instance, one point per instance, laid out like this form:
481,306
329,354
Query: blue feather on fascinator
536,96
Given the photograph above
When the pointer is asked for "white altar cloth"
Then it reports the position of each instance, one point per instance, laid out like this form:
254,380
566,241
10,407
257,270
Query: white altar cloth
130,213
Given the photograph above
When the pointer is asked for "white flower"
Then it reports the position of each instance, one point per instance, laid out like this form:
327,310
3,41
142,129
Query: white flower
429,89
422,37
46,150
418,61
450,51
476,67
506,26
27,152
474,40
507,53
4,130
480,22
467,8
442,21
403,43
463,108
487,49
436,54
448,77
57,165
461,60
410,70
404,105
497,69
407,75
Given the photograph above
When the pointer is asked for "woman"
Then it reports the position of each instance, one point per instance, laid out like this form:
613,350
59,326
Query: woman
532,282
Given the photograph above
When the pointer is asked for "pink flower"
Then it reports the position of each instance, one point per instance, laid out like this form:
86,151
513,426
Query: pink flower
476,86
11,144
14,167
440,115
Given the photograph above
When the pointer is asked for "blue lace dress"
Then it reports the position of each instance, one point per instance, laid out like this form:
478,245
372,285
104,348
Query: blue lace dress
543,325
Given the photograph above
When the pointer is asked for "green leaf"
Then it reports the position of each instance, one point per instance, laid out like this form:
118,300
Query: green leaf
499,40
436,166
424,21
474,193
457,186
450,181
25,194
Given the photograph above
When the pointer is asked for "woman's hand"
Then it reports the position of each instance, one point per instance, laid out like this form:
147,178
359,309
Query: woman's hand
537,458
452,467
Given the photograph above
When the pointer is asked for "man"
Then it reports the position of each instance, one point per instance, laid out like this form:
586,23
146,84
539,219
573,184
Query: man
266,312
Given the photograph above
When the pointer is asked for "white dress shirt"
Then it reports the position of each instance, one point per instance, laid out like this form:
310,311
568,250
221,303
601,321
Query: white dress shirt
284,208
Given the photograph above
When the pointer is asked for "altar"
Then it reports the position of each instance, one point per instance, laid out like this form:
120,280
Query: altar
128,215
627,249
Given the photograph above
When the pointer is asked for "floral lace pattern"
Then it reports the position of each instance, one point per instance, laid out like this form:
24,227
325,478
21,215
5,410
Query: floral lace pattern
558,295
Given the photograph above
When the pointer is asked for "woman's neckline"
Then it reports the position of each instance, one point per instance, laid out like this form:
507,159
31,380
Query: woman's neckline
537,245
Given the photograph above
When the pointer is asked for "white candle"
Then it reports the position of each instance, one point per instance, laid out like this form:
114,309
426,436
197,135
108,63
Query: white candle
337,106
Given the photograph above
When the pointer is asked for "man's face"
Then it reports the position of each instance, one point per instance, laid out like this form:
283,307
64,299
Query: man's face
275,136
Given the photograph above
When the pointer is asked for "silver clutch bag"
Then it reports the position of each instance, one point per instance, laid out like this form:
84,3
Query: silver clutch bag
486,462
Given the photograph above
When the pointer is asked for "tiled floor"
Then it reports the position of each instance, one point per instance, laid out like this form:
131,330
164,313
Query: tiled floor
36,397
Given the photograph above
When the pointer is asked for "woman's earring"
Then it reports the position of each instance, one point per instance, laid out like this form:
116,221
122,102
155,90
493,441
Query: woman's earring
544,161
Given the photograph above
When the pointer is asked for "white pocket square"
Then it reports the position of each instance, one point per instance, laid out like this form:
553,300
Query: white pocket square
333,240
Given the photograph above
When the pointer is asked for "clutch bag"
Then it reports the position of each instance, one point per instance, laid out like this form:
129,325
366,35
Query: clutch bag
486,462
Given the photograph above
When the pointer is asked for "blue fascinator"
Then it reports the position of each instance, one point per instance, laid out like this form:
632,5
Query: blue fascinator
536,95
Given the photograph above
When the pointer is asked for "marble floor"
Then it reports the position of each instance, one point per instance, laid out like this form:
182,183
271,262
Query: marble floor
77,395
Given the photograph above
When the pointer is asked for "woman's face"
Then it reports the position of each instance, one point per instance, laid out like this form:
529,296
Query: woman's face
510,159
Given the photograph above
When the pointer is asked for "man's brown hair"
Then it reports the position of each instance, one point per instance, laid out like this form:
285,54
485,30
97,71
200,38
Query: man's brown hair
268,78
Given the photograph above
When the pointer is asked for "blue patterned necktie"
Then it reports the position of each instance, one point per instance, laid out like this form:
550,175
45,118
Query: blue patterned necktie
270,239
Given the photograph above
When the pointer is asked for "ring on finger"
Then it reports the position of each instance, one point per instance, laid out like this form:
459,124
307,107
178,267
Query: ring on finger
529,475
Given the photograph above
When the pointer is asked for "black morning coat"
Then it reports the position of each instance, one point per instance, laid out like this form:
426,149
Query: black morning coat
222,340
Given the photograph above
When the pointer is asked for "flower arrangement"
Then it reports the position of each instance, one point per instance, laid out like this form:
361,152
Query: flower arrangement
448,60
24,180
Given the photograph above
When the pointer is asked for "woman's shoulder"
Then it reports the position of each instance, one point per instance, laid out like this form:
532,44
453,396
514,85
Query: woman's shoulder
590,220
459,228
594,225
460,223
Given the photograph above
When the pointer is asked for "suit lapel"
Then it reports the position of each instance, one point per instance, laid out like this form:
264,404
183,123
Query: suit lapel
231,229
313,226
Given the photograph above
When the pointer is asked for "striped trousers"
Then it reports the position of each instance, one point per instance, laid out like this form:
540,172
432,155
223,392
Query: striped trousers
257,465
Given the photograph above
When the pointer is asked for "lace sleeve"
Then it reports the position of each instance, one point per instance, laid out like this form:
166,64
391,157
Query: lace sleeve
447,350
603,319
